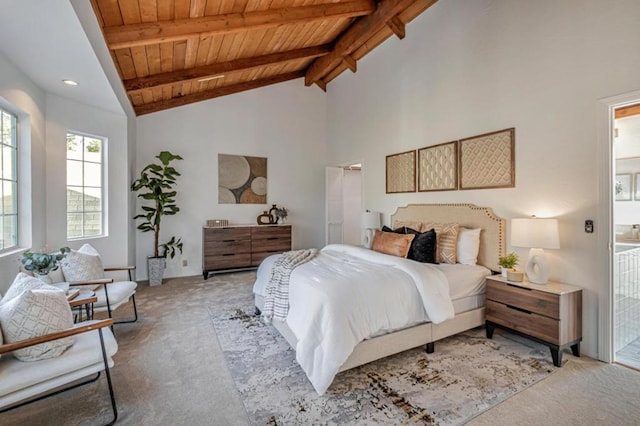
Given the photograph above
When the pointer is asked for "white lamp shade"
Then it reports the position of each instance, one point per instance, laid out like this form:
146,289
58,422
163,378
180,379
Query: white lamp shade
370,220
535,233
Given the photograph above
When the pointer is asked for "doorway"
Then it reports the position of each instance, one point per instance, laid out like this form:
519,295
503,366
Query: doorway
626,238
343,204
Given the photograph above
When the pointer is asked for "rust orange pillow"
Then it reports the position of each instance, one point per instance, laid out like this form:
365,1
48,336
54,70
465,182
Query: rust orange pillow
391,243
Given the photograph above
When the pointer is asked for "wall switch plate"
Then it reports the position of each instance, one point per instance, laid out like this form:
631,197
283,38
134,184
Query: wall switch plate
185,262
588,226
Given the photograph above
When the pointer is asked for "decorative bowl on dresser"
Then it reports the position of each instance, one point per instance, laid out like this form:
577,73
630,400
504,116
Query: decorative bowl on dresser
240,247
550,313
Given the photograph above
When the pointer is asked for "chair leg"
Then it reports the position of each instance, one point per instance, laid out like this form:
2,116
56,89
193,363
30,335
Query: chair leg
135,312
108,374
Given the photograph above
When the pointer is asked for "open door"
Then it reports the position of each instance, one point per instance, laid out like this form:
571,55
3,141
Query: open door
334,182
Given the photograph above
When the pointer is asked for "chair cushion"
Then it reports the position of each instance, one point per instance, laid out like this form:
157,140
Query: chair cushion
34,313
21,380
83,265
119,293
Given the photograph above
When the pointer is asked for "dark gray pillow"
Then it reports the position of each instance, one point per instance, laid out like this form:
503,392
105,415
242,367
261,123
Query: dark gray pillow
423,246
400,230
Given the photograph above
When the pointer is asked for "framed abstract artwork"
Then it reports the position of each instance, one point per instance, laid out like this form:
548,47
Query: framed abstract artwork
401,172
437,167
488,161
242,179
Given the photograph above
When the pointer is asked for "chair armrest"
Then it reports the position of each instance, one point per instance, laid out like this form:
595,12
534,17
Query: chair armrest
82,327
119,268
92,282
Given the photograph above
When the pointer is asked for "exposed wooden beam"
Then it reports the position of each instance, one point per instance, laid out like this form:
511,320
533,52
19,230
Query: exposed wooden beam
136,85
397,26
350,63
627,111
120,37
357,34
321,84
214,93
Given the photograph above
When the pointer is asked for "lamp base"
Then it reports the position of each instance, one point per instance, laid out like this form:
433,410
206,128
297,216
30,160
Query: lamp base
538,269
367,240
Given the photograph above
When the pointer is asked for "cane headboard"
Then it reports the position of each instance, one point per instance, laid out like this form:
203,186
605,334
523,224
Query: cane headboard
492,236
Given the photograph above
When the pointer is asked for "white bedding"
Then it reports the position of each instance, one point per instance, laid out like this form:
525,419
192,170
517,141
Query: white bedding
347,294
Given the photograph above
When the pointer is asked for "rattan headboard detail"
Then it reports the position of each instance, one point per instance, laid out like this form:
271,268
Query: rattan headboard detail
492,236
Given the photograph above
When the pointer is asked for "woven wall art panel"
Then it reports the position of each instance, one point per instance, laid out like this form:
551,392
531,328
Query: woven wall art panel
401,172
488,161
437,167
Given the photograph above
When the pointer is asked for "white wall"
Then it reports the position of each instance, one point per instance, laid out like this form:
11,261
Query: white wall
469,67
23,94
62,116
285,123
352,206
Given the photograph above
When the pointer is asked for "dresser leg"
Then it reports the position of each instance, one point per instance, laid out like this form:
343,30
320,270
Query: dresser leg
430,348
490,328
556,355
205,274
575,349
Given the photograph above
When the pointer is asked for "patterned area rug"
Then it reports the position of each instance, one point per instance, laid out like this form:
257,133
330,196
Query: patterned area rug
466,375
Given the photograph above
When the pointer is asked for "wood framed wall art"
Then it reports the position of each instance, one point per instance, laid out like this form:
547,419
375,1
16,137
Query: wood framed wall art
437,167
401,172
242,179
488,161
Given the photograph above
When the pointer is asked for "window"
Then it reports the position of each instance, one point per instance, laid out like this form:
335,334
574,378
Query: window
84,186
8,180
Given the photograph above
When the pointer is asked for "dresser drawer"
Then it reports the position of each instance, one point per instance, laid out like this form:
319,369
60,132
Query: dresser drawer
270,232
226,247
227,234
538,302
257,258
227,261
272,245
531,324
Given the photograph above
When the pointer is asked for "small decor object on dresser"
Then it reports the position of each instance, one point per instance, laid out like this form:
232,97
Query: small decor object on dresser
507,263
265,219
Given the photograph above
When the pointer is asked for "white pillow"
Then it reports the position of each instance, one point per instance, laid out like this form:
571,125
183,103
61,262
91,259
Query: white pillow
83,265
21,283
468,245
34,313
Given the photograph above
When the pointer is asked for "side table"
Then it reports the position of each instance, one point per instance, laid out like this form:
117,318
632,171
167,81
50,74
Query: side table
85,299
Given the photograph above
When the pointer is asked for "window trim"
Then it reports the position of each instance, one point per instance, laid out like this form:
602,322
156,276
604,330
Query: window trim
16,161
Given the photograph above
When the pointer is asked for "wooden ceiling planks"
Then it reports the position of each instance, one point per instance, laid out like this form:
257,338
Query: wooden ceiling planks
174,52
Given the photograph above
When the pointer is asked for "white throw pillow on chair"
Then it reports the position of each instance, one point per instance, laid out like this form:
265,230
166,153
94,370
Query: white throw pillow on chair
21,283
83,265
34,313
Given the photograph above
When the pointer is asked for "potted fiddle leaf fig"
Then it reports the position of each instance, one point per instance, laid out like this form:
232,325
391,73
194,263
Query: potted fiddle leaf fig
156,185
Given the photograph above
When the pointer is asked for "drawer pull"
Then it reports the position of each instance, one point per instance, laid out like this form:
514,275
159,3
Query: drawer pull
521,288
228,241
518,309
272,238
229,254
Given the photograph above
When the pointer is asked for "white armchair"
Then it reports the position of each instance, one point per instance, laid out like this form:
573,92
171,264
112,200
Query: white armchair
112,294
91,353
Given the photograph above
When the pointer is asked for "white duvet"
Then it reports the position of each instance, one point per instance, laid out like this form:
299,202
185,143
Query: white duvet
347,294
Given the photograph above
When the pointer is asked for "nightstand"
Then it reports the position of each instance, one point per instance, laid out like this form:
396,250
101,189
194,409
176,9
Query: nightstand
550,313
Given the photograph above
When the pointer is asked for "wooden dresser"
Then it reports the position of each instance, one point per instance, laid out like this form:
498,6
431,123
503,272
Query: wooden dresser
241,247
548,313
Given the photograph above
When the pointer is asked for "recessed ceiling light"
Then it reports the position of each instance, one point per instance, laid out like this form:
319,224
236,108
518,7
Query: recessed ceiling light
70,82
210,78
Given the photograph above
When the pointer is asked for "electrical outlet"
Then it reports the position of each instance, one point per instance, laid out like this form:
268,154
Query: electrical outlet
185,262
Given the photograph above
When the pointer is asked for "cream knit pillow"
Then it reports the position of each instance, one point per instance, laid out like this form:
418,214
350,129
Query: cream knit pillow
83,265
34,313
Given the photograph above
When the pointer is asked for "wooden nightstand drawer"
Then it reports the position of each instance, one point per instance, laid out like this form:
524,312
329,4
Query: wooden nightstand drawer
530,300
529,323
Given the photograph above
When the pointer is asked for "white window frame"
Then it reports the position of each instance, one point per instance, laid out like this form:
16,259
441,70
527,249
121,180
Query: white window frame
15,179
103,181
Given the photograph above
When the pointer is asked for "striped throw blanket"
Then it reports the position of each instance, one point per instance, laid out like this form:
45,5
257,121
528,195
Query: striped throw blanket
276,299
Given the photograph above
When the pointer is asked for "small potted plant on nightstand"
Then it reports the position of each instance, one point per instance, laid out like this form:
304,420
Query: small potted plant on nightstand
507,263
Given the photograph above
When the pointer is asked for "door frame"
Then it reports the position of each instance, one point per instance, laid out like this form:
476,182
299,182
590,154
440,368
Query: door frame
605,232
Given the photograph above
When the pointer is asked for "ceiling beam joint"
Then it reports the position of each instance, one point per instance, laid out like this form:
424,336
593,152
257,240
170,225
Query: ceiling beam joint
397,26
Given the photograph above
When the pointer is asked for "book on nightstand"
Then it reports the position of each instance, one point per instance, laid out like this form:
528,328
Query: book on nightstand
72,293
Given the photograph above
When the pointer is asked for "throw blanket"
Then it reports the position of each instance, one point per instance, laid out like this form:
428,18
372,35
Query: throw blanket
276,300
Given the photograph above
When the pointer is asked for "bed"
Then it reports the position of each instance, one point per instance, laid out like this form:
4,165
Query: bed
459,310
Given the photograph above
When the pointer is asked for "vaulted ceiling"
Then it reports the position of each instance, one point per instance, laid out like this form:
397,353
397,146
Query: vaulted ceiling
175,52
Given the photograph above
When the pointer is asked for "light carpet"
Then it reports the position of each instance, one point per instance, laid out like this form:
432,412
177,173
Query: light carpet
466,375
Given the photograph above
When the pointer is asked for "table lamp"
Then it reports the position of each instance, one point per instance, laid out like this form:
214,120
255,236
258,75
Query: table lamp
370,221
537,234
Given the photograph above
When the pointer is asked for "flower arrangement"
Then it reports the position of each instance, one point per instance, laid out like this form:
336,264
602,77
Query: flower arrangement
281,215
42,263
